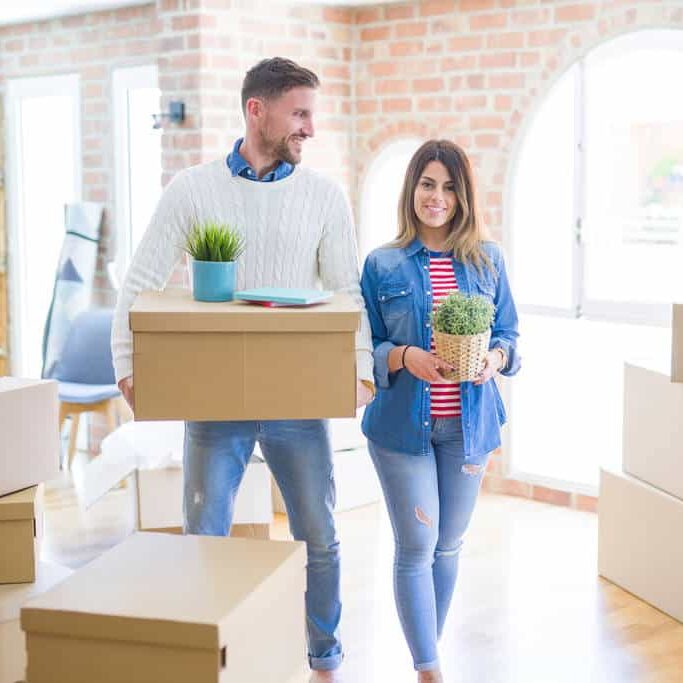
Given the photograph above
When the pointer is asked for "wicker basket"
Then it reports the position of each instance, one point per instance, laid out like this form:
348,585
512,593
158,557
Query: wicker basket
466,353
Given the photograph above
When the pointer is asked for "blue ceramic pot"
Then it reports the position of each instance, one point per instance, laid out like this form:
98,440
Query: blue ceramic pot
213,280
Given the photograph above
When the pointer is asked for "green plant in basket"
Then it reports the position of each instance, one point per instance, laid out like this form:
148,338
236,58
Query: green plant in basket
212,241
460,315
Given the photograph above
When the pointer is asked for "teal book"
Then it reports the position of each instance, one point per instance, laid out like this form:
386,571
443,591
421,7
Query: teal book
283,296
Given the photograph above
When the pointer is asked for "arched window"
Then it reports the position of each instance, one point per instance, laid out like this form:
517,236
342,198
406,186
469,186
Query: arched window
380,192
596,243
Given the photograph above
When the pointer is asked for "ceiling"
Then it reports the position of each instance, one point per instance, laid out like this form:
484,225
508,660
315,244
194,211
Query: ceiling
28,10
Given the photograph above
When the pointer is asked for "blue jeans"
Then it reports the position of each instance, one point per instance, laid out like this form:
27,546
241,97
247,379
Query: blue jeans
299,455
430,500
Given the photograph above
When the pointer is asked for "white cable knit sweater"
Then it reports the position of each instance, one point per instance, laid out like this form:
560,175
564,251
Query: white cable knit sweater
298,230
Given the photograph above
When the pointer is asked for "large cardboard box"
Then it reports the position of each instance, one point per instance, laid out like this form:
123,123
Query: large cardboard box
12,598
640,540
160,607
677,343
21,530
160,497
653,428
194,360
29,429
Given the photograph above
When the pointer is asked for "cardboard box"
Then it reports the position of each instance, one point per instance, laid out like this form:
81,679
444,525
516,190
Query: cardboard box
653,429
677,343
12,599
640,540
21,530
160,498
194,360
29,425
160,607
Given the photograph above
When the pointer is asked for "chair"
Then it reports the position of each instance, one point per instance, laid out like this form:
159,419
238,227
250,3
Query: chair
85,373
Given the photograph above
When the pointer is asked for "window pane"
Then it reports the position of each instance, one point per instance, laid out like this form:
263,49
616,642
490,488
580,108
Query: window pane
543,203
47,183
633,228
381,190
144,159
567,403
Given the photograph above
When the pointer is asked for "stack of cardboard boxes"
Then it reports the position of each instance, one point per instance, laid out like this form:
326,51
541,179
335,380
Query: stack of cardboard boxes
641,507
164,607
29,456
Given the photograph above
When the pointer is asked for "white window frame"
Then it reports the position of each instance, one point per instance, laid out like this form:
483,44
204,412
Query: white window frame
17,89
124,79
656,314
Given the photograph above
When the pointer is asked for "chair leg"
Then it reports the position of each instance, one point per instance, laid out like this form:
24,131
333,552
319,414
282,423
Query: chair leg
111,416
73,437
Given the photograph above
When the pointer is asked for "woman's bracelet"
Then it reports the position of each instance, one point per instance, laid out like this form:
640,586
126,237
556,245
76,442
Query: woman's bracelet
503,357
403,356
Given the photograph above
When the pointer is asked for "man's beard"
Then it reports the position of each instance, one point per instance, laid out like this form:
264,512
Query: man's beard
282,151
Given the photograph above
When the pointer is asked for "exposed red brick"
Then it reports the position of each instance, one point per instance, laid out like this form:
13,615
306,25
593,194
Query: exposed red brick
338,15
422,85
544,38
510,41
412,30
498,60
392,87
461,62
430,8
481,22
575,13
367,106
369,15
375,33
434,104
464,43
397,105
406,48
396,12
506,81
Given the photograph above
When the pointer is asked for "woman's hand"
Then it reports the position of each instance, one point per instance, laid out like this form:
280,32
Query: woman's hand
425,365
493,362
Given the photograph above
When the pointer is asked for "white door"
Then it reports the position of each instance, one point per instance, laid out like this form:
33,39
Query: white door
43,174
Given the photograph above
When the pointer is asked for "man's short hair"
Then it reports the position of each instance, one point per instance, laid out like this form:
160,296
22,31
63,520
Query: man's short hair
273,77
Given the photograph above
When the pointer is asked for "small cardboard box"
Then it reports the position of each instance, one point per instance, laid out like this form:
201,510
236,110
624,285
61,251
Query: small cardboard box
194,360
21,530
640,540
160,607
12,598
677,343
653,429
160,498
29,425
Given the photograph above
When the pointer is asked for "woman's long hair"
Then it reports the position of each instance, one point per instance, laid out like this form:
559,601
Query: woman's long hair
466,232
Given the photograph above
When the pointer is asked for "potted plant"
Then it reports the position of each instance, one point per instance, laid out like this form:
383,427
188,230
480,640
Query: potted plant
462,331
214,248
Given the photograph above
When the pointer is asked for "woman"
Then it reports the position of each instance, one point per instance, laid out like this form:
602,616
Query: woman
429,438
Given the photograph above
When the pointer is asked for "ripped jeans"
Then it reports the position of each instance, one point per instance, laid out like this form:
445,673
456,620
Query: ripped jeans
430,500
299,455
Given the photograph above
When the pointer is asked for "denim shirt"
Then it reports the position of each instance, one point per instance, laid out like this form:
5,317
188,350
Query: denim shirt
397,292
238,165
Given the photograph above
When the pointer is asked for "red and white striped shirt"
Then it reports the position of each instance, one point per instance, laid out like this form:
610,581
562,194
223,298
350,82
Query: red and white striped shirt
445,394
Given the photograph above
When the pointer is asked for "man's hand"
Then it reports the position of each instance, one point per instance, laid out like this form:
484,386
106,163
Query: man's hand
363,394
425,365
126,388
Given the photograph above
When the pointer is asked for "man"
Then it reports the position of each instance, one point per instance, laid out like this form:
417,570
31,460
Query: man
298,230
